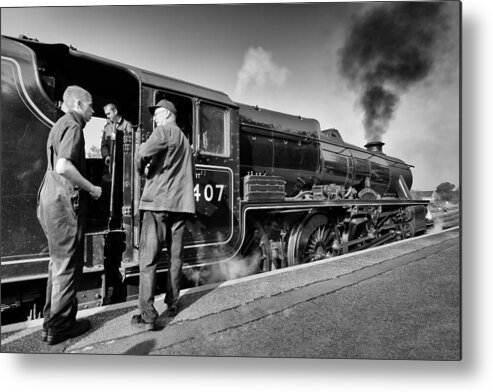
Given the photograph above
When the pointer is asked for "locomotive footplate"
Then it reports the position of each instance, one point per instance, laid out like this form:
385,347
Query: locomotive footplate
290,205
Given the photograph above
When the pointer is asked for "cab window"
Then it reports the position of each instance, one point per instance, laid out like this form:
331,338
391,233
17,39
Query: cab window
214,130
93,132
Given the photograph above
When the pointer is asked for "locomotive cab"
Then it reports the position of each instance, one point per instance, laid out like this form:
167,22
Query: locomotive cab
54,68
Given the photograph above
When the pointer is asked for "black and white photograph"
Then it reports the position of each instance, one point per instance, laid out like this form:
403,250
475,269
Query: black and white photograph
268,181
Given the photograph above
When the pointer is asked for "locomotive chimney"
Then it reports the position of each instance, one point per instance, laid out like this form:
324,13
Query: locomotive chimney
375,146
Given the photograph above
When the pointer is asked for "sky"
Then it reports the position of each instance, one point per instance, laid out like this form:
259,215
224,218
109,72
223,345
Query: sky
284,57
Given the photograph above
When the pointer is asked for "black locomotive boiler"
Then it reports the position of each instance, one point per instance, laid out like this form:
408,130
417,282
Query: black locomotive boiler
270,188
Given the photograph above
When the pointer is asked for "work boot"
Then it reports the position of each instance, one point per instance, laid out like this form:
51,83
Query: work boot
172,310
139,322
78,328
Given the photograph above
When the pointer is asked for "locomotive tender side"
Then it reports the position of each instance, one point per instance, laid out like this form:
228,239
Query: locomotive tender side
271,189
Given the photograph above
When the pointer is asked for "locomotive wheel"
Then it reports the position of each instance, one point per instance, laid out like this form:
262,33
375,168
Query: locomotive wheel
312,240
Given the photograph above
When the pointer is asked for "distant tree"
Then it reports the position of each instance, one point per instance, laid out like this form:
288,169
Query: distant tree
446,191
94,152
457,194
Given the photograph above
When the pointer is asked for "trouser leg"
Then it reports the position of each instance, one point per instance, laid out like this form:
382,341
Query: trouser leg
47,307
174,243
49,282
65,234
66,276
149,251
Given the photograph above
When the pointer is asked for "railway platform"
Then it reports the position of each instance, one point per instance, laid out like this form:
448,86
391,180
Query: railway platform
235,317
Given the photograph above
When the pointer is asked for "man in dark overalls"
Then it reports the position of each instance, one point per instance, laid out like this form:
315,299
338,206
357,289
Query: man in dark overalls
62,209
166,160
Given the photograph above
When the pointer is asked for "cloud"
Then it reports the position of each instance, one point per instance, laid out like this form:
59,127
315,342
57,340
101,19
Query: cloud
259,70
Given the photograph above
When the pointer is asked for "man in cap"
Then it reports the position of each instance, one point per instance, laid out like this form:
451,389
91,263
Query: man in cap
62,209
166,161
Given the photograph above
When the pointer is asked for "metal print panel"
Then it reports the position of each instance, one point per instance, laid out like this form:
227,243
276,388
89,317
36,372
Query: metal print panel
249,180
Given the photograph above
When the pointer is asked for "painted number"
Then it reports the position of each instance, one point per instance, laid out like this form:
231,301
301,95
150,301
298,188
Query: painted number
196,192
221,189
209,192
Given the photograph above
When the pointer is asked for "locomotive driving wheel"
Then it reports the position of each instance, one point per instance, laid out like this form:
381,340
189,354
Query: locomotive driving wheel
311,240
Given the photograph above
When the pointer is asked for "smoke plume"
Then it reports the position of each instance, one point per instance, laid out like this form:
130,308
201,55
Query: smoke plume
388,49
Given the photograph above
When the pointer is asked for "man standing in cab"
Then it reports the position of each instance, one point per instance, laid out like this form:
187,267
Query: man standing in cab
112,182
166,161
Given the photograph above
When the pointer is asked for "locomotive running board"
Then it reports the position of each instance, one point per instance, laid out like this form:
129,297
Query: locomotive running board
304,204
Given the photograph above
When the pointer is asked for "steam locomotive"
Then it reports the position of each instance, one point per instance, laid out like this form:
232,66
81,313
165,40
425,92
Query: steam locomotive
271,189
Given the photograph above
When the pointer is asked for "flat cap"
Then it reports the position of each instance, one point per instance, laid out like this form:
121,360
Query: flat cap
163,103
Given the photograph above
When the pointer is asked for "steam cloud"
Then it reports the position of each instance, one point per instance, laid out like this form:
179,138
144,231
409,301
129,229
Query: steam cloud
231,269
234,268
259,70
388,49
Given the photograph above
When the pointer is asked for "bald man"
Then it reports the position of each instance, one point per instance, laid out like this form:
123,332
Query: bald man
62,209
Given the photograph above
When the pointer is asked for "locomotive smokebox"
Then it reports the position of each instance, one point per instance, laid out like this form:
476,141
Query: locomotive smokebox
375,146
